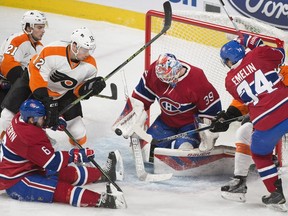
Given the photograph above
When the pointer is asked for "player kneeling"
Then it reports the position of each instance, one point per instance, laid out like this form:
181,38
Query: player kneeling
35,172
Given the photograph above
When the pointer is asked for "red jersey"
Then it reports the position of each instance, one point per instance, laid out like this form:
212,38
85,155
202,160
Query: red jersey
255,81
27,150
192,96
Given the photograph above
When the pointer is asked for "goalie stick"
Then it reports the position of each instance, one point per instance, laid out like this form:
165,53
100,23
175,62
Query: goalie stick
139,164
93,161
167,25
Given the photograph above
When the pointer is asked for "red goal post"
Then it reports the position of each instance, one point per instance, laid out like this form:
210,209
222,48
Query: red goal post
198,42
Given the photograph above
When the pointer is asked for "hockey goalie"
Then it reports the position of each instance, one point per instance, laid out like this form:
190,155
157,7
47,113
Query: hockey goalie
187,101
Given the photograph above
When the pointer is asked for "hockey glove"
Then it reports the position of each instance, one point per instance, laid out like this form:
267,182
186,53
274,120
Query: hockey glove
249,41
52,113
218,124
80,155
61,125
96,84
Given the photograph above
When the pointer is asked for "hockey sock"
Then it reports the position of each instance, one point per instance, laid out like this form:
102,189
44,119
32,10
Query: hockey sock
79,175
267,170
75,196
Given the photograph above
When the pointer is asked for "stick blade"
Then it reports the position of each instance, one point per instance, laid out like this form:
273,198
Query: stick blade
155,177
114,91
168,16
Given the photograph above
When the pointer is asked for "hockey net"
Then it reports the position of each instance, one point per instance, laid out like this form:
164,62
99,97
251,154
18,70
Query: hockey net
197,37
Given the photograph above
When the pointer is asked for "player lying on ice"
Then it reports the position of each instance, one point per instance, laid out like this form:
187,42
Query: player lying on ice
254,80
31,170
184,95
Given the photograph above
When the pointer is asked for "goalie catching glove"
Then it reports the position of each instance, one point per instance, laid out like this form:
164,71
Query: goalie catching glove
96,84
132,116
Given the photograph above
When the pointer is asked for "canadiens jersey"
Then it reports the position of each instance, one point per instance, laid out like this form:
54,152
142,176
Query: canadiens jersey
53,69
255,81
27,150
192,96
17,50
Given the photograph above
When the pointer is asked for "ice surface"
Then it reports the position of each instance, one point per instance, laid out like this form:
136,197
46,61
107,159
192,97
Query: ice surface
179,196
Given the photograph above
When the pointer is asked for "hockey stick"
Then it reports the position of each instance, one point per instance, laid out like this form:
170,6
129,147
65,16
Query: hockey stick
184,134
114,94
93,161
139,164
113,97
167,24
231,19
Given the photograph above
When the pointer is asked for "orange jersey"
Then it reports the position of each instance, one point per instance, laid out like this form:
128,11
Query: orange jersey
17,50
284,74
53,69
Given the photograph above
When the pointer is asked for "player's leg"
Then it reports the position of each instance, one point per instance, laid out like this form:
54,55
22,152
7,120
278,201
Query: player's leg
236,188
263,143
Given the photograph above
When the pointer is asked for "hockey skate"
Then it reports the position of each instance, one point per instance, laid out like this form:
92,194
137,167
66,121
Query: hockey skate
235,189
112,198
114,167
276,199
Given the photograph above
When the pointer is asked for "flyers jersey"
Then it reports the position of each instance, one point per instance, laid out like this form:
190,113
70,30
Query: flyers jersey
27,150
256,82
17,50
193,96
53,69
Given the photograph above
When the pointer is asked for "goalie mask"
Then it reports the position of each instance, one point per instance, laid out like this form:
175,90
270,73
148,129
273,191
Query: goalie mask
168,68
84,39
31,18
232,51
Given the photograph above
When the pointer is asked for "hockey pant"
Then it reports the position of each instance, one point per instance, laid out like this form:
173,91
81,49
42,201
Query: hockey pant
159,130
62,187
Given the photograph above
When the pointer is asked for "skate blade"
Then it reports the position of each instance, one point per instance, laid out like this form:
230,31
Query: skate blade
237,197
119,166
277,207
120,202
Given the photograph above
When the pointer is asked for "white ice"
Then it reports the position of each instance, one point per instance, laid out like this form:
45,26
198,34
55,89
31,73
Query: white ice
179,196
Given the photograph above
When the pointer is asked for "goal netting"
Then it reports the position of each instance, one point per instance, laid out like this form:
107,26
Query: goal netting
196,37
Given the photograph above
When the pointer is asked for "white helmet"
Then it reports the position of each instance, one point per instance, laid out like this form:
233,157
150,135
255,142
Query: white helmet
167,68
83,37
33,17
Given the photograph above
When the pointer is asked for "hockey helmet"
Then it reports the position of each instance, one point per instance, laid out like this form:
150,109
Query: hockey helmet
84,38
232,51
167,68
32,108
33,17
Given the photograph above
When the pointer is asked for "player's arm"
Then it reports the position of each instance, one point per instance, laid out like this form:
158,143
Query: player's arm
208,101
235,109
143,91
11,65
38,70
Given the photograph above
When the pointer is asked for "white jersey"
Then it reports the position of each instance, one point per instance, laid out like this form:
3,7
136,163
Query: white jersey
17,50
53,69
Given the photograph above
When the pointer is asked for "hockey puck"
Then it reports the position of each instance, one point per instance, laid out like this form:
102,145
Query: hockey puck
118,132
